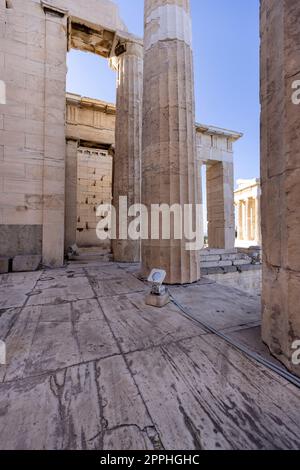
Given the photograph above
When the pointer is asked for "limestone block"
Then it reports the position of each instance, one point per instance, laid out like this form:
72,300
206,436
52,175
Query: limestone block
212,270
230,257
215,264
224,264
218,251
242,262
4,265
18,239
250,267
209,258
230,269
24,263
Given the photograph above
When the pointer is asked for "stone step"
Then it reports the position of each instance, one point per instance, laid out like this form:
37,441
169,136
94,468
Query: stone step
213,258
218,251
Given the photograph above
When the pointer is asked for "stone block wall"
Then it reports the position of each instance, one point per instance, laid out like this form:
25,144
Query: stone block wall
22,58
94,188
34,39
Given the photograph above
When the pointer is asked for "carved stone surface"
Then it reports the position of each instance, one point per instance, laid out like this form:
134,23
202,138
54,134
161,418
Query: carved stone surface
127,163
280,156
170,172
89,368
23,263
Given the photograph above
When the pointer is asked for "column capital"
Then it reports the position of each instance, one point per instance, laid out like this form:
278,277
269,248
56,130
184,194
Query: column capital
125,48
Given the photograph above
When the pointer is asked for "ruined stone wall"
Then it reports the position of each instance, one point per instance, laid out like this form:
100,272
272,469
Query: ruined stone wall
90,131
94,188
22,125
33,47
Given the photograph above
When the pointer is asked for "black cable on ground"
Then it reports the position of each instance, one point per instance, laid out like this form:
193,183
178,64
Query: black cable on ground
293,379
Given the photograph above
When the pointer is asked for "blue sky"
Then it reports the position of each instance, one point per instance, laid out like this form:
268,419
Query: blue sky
226,52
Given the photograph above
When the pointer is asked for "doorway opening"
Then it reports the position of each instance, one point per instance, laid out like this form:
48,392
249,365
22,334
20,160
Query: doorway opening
90,127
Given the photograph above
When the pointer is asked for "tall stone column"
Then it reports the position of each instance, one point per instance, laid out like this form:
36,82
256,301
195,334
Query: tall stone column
240,220
71,193
280,157
54,136
169,169
220,205
247,220
258,220
127,161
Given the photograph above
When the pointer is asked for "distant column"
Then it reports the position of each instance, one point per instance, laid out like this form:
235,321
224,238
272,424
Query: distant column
258,220
71,193
245,219
220,205
127,161
170,173
240,220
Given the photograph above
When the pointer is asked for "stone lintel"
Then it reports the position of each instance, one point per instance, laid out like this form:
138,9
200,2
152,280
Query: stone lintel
219,131
54,10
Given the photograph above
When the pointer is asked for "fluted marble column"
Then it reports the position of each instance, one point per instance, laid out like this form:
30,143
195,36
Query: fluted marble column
169,169
280,178
127,162
258,220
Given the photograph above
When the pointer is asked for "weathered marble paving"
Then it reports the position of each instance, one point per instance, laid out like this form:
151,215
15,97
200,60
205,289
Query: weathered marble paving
90,366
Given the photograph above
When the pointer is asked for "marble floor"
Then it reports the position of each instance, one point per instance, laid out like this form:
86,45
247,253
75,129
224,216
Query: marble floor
90,366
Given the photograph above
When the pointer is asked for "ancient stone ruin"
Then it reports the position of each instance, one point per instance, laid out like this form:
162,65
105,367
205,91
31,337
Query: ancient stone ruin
63,155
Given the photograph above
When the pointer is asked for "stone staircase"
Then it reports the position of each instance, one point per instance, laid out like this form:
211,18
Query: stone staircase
218,261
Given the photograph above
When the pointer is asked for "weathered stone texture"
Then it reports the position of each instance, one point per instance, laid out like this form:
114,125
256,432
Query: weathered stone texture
170,172
71,193
19,239
33,48
54,140
90,120
94,187
127,164
220,205
26,263
280,150
4,265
